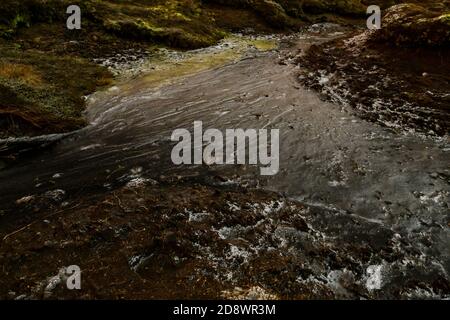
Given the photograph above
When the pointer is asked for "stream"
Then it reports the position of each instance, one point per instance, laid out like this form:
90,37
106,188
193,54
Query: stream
329,158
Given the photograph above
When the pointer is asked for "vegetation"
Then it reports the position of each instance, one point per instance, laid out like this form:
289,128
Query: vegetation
413,25
38,95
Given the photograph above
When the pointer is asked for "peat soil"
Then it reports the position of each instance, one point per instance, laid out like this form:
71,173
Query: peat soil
403,88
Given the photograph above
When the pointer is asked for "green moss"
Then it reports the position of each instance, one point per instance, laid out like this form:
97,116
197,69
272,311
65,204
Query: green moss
20,20
52,103
279,13
411,25
445,18
114,25
343,7
166,68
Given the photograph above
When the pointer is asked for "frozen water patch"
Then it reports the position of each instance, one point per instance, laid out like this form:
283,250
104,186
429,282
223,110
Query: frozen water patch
337,280
136,180
137,261
90,147
236,252
323,27
55,195
437,197
197,216
374,277
137,183
252,293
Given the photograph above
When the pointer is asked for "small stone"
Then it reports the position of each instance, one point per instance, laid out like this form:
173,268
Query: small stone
48,243
56,195
25,200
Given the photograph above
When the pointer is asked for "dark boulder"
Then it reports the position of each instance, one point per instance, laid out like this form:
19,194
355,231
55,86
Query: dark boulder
411,25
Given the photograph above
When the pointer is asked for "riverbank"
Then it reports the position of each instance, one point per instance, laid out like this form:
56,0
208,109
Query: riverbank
160,240
47,70
398,76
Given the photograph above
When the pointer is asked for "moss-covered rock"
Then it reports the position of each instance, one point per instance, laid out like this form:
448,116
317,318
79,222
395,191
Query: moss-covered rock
42,93
273,12
342,7
178,22
413,25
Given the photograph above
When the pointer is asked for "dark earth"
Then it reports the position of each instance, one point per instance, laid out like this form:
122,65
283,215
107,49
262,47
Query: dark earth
401,88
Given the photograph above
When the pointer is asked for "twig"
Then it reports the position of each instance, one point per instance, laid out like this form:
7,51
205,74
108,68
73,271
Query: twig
36,221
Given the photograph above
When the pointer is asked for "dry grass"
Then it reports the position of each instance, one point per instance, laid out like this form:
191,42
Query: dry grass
21,72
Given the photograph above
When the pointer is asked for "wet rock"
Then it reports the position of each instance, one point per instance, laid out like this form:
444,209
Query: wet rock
346,7
272,11
54,282
385,80
55,195
25,200
137,183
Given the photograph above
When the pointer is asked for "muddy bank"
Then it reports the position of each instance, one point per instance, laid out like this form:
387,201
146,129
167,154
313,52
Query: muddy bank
152,239
398,76
404,89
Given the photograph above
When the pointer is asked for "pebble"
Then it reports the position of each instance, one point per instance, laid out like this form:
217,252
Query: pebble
25,200
56,195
